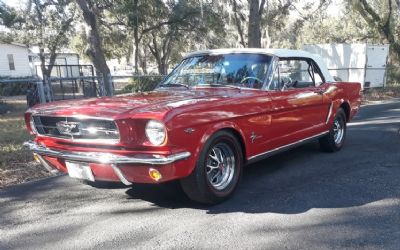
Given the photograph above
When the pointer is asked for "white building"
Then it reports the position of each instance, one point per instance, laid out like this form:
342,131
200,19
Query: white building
14,60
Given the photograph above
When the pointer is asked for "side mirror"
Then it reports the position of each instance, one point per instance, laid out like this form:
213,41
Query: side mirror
337,79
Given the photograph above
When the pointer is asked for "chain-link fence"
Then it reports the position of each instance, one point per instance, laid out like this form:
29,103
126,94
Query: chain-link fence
30,91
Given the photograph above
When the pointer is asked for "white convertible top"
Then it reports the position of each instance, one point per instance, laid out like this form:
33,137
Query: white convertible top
275,52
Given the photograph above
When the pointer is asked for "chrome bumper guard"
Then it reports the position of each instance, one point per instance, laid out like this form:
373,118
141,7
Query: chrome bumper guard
105,158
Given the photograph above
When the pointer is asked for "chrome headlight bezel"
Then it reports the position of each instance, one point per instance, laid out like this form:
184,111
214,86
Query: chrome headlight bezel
156,132
32,125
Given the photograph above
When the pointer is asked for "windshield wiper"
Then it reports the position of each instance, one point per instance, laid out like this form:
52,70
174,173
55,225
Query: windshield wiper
174,85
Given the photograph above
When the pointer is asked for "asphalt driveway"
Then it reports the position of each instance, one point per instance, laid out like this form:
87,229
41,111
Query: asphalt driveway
301,199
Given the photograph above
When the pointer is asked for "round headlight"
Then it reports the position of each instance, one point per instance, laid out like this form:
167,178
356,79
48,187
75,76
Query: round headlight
155,132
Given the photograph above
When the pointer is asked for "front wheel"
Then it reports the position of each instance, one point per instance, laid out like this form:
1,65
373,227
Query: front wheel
334,140
218,170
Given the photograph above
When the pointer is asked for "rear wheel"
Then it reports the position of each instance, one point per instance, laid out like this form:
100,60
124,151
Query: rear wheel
334,140
218,170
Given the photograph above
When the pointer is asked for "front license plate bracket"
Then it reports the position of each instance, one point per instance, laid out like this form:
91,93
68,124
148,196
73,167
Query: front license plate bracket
79,170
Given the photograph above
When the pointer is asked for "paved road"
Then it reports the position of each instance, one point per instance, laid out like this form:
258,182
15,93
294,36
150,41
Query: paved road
302,199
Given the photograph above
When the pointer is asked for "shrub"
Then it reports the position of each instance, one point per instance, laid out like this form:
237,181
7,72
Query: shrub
393,76
11,89
4,107
142,84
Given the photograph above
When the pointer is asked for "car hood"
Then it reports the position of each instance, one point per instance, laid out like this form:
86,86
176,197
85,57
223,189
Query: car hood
127,105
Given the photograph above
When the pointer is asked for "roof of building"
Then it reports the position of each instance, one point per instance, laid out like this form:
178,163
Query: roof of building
15,44
275,52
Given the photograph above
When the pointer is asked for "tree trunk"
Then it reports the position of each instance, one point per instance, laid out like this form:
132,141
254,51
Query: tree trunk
129,54
136,36
42,62
95,50
156,52
143,61
52,61
137,41
238,23
398,5
267,38
161,68
254,28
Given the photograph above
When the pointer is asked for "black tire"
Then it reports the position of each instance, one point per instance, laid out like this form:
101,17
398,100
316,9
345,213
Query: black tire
197,185
330,143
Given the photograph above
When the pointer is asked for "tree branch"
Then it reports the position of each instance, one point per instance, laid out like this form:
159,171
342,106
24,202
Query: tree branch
261,7
237,23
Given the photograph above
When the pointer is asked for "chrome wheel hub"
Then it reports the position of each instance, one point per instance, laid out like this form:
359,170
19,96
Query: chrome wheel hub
220,166
338,131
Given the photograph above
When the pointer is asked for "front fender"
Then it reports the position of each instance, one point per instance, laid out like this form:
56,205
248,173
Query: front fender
212,129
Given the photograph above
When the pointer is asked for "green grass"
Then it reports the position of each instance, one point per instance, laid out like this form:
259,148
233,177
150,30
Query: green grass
16,163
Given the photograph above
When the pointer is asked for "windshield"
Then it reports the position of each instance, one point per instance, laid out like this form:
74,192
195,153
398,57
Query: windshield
239,70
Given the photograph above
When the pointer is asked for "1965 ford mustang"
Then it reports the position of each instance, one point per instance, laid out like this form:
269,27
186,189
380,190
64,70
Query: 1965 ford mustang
218,111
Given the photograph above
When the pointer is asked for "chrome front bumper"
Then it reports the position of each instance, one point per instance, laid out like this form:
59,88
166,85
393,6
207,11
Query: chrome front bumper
106,158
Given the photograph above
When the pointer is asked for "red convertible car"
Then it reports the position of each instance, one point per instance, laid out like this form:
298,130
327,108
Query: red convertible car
218,111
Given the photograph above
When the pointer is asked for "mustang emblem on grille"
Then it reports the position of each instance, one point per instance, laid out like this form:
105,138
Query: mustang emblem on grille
68,128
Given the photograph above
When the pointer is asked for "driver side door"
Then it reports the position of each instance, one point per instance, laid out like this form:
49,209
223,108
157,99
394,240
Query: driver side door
298,107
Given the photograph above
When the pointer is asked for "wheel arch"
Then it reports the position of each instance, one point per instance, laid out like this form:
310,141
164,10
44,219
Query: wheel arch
229,127
346,108
240,139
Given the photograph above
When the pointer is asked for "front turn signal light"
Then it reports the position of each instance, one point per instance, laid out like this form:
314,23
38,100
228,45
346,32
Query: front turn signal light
36,158
155,174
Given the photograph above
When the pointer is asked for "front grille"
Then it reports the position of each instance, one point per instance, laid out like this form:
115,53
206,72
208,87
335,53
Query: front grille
76,128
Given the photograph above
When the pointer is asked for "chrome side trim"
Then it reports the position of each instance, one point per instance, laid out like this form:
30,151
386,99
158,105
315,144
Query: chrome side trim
269,153
107,158
329,113
120,175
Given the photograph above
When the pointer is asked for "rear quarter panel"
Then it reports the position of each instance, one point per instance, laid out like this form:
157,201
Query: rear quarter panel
340,93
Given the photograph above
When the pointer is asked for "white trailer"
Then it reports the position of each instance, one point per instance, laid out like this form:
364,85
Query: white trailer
365,63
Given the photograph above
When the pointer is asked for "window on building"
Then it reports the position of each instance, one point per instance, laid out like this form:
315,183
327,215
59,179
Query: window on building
11,61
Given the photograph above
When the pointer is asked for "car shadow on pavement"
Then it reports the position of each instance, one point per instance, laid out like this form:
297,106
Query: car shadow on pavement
105,184
305,178
171,195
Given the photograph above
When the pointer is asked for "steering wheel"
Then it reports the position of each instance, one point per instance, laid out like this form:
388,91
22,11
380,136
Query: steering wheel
250,77
287,83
